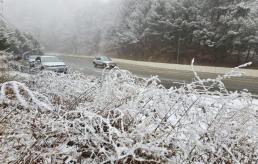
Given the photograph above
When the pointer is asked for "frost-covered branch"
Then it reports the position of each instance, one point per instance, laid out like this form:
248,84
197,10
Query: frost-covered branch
123,118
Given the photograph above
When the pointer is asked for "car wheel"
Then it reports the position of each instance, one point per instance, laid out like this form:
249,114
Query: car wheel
95,65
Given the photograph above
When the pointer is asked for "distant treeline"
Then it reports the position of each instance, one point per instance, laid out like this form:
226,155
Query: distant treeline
16,42
217,32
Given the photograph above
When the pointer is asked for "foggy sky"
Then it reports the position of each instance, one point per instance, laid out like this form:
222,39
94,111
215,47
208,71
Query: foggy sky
53,21
28,14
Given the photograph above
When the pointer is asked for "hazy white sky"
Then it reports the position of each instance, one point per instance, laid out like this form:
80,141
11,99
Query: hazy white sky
26,13
56,21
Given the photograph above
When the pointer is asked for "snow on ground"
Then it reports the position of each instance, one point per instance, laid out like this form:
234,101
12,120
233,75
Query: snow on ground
255,102
121,118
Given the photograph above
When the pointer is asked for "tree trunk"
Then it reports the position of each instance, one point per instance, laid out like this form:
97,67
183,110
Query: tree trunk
248,55
238,58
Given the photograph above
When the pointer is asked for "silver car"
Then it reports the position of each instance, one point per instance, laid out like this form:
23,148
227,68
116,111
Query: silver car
51,63
104,61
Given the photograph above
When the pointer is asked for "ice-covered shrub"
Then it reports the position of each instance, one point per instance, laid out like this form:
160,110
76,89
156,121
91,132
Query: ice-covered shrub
62,89
4,67
121,118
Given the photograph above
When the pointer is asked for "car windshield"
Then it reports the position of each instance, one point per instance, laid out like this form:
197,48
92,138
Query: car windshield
104,58
50,59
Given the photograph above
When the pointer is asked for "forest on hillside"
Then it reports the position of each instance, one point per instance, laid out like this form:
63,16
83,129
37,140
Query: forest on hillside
16,42
221,32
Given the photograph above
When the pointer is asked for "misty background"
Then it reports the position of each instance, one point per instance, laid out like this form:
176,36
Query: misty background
220,33
71,26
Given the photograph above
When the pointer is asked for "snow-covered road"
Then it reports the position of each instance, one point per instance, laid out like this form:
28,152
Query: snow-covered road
169,77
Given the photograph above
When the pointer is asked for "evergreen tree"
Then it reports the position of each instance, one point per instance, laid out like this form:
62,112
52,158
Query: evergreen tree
211,31
16,42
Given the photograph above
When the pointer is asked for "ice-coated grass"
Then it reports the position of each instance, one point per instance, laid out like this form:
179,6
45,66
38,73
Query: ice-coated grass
121,118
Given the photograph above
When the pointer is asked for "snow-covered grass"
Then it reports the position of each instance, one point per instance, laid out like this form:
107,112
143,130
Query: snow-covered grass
121,118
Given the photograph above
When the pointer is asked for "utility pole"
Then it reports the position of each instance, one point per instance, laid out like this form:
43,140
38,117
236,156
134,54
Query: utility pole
178,45
178,50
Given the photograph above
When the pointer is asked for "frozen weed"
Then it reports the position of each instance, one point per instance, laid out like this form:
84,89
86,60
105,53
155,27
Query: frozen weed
121,118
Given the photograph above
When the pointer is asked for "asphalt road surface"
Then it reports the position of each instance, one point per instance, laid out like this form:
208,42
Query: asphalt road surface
168,77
